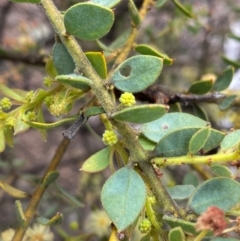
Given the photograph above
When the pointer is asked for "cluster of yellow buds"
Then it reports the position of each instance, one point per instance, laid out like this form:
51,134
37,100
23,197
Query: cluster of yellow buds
5,103
127,99
109,138
145,226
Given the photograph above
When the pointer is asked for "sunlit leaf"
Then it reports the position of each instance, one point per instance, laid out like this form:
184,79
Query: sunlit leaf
220,170
176,234
230,141
98,161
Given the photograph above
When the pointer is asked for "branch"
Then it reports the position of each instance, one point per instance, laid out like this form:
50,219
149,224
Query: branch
38,193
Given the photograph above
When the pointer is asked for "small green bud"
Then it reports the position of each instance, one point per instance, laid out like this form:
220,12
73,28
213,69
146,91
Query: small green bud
47,81
29,96
145,226
74,225
127,99
5,103
152,200
10,122
49,100
31,116
109,138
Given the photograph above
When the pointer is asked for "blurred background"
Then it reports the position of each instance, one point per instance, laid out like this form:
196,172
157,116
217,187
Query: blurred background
26,41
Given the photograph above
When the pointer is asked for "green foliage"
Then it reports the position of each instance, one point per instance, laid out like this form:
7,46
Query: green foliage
215,192
140,114
141,72
82,20
84,84
123,197
98,161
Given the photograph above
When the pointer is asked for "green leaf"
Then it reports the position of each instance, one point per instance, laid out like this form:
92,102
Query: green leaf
175,107
98,62
123,197
187,227
62,60
224,80
50,178
199,112
181,192
134,13
107,3
14,192
220,170
160,3
180,138
198,140
20,126
11,93
223,239
141,113
213,141
230,141
26,1
50,68
49,126
22,221
69,197
75,80
190,179
98,161
92,111
55,220
155,130
144,70
88,21
176,234
183,9
227,102
148,50
146,143
222,192
2,138
235,64
201,87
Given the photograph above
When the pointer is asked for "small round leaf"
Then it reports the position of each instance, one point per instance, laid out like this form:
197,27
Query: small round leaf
221,192
141,113
198,140
155,130
148,50
62,60
224,80
98,161
227,102
142,71
123,197
201,87
230,141
88,21
220,170
75,80
181,192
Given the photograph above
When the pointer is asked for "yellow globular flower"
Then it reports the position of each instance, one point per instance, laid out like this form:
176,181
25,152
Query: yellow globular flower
5,103
145,226
152,200
10,122
127,99
29,96
47,81
49,100
31,116
109,138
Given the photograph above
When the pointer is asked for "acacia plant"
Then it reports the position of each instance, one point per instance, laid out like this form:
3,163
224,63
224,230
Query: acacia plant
135,196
